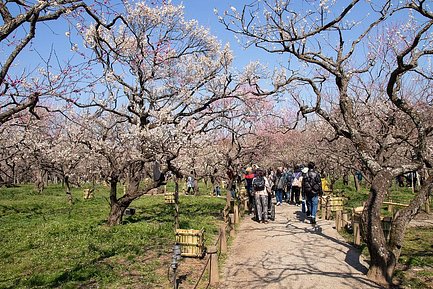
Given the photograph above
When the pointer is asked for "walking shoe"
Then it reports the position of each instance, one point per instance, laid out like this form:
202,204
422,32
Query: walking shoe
313,221
265,221
278,203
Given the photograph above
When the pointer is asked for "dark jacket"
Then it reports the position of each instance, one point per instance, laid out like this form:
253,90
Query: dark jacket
312,183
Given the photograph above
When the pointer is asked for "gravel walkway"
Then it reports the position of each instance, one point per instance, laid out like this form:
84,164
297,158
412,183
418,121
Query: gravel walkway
291,253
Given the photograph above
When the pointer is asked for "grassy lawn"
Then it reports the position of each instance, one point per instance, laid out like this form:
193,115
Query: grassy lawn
416,261
415,269
48,244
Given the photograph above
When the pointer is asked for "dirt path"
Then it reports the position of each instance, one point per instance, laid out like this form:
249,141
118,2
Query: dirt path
291,253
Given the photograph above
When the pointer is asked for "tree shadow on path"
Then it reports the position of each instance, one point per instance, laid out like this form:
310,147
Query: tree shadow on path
353,254
289,253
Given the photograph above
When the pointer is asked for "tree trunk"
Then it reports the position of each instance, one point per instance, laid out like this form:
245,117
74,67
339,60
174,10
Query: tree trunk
405,215
68,190
383,261
40,181
355,178
384,256
116,213
117,208
14,175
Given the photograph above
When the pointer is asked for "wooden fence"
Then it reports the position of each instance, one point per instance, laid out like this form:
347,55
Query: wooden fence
232,214
342,217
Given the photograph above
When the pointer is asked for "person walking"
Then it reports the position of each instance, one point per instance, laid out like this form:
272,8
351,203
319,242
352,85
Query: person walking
261,187
215,181
287,194
280,184
312,188
248,177
190,182
296,186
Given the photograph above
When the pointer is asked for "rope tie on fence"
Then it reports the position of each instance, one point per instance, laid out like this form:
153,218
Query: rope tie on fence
202,273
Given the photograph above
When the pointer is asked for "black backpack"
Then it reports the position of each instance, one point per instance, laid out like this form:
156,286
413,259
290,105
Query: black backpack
312,182
258,184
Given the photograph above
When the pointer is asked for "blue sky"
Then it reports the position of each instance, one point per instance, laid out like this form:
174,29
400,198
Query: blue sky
53,35
203,12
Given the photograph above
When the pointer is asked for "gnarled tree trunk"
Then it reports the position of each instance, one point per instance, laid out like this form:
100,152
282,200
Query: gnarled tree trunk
405,215
118,207
384,256
382,261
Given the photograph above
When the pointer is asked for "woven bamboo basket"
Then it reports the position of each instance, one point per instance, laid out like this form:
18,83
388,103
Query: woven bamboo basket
169,198
336,203
191,242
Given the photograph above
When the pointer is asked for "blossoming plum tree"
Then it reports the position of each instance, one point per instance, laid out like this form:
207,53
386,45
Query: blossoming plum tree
164,81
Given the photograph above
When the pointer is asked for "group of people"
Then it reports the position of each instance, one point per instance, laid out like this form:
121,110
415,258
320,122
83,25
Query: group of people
302,186
286,186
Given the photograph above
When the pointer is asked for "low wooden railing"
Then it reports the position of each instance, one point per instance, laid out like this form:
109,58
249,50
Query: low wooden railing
231,215
343,217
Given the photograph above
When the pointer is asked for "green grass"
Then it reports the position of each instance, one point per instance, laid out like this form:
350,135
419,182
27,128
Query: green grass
47,243
417,259
418,247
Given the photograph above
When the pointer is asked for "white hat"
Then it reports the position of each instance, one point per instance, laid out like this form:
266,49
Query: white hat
305,170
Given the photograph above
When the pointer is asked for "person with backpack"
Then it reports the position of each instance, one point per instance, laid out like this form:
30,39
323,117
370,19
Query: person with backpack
296,186
312,187
261,187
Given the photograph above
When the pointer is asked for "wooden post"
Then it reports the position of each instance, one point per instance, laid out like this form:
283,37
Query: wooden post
323,202
386,226
356,233
223,239
241,209
232,225
427,205
390,209
236,213
338,219
328,210
345,219
176,205
213,266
